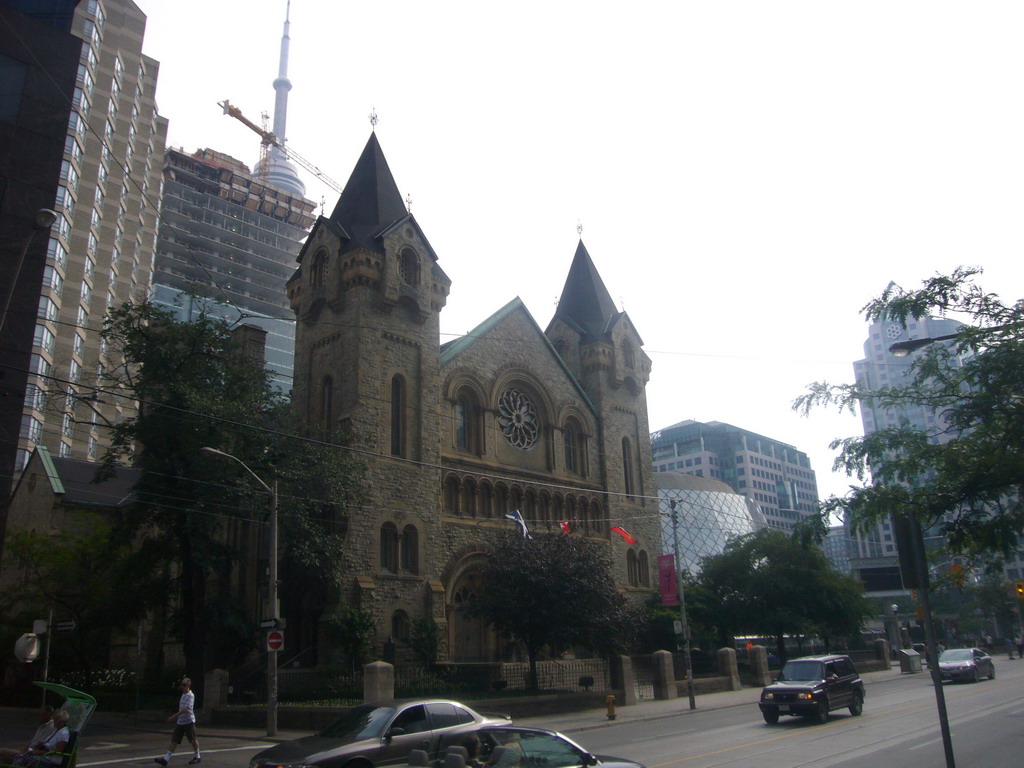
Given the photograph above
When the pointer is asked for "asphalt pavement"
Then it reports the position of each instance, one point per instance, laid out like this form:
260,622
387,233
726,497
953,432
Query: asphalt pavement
104,723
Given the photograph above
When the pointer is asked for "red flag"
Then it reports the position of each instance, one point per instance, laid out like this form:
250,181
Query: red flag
624,534
566,526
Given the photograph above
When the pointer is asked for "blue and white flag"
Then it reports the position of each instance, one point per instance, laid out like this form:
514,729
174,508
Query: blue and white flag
517,517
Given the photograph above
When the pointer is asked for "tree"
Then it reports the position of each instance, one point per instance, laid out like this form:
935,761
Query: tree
772,585
962,477
553,590
196,387
85,574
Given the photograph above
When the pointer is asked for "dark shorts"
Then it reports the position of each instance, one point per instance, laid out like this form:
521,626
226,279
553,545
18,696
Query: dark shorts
188,730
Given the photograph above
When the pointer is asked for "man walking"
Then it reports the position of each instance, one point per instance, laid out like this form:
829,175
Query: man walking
185,725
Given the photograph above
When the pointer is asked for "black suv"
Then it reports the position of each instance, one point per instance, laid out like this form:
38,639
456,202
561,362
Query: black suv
812,687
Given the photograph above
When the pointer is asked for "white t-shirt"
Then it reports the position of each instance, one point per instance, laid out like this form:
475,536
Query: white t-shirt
51,744
188,701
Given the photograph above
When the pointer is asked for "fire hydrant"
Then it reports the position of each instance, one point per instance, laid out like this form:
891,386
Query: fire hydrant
609,700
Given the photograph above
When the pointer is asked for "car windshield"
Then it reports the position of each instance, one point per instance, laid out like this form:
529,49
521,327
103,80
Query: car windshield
802,670
365,722
957,654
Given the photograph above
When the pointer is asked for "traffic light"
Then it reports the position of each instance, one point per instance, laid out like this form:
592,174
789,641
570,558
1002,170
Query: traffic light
1019,586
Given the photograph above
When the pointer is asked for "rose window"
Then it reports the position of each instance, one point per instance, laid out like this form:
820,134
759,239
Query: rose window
518,419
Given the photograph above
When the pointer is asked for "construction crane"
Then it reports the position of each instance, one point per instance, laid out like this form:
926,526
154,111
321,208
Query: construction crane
269,139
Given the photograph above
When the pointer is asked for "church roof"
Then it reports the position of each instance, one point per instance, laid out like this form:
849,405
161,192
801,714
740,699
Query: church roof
585,302
370,202
452,349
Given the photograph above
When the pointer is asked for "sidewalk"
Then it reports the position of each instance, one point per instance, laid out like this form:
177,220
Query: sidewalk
104,724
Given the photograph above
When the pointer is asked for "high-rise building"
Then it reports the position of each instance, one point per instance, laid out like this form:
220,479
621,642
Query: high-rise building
774,475
233,238
872,555
232,235
99,253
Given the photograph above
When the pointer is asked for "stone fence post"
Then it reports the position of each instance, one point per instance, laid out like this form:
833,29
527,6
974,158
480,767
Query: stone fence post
378,682
727,668
664,676
624,679
759,671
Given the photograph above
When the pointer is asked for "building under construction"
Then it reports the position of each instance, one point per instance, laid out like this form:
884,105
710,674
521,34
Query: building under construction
232,238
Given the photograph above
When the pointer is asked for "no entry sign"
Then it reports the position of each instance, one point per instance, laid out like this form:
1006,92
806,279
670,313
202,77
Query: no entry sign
275,640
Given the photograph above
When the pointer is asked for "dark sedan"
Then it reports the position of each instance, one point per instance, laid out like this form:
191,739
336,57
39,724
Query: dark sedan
517,747
378,734
966,664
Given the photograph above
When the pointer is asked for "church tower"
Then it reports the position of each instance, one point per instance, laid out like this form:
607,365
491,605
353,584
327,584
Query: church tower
367,296
605,353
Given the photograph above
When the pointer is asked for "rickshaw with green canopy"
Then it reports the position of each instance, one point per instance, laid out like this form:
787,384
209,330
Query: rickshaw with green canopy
79,706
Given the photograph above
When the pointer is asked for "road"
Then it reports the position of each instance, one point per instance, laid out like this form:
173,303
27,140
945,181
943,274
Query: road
899,729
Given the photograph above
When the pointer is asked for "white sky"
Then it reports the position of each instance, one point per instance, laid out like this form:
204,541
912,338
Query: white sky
747,174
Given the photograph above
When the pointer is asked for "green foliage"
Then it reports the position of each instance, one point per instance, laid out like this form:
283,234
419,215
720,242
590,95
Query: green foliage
769,584
196,514
961,477
425,639
85,573
553,590
353,630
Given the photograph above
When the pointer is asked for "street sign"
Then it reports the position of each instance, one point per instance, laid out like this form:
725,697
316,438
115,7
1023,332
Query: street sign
68,625
275,640
268,624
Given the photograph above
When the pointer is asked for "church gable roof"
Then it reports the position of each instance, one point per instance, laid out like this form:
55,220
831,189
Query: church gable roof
451,350
370,202
585,302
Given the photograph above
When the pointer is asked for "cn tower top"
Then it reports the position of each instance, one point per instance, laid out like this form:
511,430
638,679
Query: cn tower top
277,169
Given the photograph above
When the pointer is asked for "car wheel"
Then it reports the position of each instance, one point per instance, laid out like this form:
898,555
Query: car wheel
974,675
858,704
770,716
822,714
992,672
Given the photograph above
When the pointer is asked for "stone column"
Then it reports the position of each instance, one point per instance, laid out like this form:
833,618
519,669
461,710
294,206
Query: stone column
624,679
727,667
664,676
378,682
759,671
882,651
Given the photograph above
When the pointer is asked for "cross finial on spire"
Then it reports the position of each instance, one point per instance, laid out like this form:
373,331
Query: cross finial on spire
373,118
579,227
408,202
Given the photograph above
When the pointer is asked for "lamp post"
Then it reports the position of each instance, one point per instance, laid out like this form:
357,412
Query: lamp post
682,605
43,220
274,608
904,348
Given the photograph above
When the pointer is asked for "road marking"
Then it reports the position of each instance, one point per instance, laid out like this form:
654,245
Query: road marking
152,757
107,745
926,744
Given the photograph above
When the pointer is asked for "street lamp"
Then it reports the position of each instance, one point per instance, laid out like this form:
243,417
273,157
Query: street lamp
43,220
904,348
274,608
682,605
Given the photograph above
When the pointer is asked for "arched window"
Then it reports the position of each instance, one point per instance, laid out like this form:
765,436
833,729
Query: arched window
410,549
467,423
486,493
318,269
397,416
389,547
409,267
631,569
595,517
468,505
326,400
643,568
627,353
400,625
627,468
570,449
500,501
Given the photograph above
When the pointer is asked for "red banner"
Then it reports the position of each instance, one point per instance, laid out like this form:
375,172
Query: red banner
667,579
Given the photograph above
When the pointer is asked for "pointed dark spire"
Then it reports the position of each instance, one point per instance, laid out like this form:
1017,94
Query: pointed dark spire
585,301
370,201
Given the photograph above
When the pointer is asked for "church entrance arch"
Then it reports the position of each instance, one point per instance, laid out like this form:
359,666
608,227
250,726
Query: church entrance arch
470,638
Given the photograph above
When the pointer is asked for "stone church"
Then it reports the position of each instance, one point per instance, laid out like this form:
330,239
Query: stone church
457,435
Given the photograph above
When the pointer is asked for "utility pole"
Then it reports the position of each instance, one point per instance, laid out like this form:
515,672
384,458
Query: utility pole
682,605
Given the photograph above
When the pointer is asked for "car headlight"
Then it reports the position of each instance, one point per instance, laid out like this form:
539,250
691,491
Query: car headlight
768,696
805,696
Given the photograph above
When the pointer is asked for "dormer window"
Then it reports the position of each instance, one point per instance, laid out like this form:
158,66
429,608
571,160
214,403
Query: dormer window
409,267
318,269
